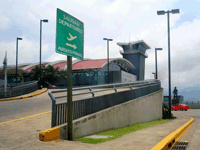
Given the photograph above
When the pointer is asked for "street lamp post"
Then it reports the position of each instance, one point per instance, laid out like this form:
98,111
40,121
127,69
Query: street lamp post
17,56
162,12
108,54
44,20
156,61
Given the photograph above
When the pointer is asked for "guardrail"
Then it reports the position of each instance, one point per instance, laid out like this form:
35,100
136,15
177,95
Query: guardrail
19,89
192,103
83,107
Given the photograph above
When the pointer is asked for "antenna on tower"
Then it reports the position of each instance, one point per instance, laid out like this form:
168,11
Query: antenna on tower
129,37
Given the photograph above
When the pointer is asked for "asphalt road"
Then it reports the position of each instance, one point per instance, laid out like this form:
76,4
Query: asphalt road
193,133
23,134
15,109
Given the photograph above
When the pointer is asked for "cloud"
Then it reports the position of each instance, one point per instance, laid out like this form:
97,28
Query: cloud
56,57
5,22
28,51
120,20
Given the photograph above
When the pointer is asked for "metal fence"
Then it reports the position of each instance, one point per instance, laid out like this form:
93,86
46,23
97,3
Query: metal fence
192,103
85,106
18,89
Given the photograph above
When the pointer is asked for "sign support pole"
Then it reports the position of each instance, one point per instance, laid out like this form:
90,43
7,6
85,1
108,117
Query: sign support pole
69,41
69,99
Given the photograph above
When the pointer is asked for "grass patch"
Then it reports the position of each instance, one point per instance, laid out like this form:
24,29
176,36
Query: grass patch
115,133
194,107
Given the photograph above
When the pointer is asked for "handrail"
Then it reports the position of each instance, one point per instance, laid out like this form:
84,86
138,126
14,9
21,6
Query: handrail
19,89
107,86
59,109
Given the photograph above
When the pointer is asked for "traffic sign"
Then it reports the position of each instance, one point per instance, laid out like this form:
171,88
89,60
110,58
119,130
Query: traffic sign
69,35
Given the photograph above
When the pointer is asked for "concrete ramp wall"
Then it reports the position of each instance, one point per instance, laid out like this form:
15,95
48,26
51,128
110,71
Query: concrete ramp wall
143,109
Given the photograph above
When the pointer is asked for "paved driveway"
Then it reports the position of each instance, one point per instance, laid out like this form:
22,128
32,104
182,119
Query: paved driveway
193,133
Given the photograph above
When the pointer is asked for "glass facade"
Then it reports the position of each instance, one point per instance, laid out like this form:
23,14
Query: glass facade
96,77
103,73
85,78
11,80
166,98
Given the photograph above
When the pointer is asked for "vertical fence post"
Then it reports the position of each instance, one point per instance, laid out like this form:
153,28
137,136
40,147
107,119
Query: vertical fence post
53,115
130,86
91,92
115,89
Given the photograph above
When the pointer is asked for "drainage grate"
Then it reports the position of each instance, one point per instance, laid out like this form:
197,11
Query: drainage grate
180,145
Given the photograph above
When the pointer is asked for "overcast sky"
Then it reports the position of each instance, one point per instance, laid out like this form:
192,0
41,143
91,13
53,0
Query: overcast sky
121,20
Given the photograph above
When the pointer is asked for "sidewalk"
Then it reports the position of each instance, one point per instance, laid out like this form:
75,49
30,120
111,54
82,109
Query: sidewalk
37,92
144,139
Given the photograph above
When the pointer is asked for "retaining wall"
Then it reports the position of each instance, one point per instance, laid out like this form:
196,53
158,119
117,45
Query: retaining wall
143,109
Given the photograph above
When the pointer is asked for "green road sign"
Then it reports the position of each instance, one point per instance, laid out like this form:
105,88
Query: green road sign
69,35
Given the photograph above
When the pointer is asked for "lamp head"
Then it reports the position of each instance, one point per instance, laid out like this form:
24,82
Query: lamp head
158,49
175,11
45,20
19,38
161,12
107,39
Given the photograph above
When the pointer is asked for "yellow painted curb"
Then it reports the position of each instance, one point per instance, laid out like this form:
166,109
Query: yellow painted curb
170,140
50,134
27,96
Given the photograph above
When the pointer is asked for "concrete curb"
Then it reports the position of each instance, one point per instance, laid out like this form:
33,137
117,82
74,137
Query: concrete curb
169,141
22,97
50,134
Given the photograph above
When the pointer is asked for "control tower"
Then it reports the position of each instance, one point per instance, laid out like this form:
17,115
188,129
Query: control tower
135,52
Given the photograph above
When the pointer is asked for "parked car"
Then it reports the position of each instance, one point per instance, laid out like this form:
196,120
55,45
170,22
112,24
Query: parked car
180,107
53,87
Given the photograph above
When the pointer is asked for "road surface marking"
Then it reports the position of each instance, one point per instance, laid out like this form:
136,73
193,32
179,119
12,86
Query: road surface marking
24,118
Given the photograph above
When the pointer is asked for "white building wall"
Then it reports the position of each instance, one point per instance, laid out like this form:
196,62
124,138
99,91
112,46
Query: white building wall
127,77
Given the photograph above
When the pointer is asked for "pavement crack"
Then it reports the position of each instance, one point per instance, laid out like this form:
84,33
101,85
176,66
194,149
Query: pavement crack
22,145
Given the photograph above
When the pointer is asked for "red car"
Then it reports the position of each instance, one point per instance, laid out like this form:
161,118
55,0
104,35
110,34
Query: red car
180,107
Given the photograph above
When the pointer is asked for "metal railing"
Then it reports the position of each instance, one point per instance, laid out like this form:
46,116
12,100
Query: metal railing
85,106
19,89
192,103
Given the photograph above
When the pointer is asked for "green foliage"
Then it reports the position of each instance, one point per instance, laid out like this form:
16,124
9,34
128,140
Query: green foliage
115,133
166,110
49,75
194,107
35,73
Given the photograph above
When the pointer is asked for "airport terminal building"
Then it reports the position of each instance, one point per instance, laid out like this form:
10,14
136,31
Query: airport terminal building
93,71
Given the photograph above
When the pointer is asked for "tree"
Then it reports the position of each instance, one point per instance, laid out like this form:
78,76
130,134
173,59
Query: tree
49,75
35,73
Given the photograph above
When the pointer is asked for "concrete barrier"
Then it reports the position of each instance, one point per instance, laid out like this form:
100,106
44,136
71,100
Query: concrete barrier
143,109
169,141
50,134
